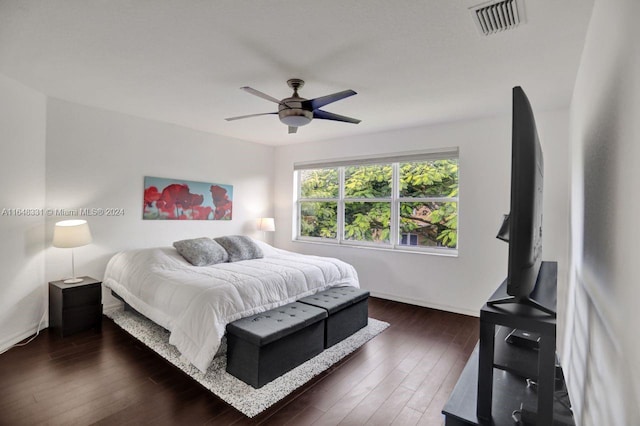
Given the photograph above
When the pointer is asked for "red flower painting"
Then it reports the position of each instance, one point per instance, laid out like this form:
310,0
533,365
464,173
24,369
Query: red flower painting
221,201
186,200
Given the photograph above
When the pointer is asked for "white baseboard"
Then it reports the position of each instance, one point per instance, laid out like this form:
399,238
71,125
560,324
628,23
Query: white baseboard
422,303
8,342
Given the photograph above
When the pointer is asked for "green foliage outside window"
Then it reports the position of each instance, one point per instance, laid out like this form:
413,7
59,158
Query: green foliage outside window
319,183
367,221
437,178
319,219
434,221
372,181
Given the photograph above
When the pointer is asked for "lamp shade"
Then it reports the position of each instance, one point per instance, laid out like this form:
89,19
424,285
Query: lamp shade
71,233
266,224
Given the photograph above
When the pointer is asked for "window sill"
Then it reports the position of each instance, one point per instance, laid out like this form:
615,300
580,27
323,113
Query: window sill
433,252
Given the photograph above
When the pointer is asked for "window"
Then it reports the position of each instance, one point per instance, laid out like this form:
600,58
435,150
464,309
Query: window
408,202
318,204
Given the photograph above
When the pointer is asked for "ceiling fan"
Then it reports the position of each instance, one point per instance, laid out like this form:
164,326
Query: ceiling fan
296,111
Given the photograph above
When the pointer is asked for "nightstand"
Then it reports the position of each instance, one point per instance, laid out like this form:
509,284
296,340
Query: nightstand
75,307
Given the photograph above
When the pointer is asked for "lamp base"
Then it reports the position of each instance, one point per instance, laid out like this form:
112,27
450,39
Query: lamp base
73,280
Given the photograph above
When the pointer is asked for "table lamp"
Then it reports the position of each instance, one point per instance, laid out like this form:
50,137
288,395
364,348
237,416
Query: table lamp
71,234
266,224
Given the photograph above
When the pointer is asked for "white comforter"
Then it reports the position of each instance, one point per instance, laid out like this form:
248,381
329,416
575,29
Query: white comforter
195,303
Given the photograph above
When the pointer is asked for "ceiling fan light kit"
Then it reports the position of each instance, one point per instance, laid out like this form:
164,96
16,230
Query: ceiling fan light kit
296,111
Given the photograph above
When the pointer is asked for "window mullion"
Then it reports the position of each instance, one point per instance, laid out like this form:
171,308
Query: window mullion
368,200
298,204
428,200
395,206
340,213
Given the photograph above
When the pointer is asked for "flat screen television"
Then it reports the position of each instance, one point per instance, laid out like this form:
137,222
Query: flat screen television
522,227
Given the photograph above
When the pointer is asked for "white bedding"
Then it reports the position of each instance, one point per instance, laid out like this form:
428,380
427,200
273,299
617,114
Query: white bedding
195,303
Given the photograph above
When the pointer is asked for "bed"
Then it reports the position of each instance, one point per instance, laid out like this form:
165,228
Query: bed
195,303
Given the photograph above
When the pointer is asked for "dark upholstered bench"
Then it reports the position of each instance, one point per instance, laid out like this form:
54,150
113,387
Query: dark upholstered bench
348,309
263,347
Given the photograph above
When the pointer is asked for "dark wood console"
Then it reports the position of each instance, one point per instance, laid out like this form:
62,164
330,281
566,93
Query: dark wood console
494,383
75,307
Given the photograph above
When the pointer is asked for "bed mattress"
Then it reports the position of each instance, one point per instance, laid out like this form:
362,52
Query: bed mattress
195,303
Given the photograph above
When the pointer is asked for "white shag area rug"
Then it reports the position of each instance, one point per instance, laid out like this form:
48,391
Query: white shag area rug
235,392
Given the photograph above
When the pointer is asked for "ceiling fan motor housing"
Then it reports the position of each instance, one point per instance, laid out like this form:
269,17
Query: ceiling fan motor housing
292,113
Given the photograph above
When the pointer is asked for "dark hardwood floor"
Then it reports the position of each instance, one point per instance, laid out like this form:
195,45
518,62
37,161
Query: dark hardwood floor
401,377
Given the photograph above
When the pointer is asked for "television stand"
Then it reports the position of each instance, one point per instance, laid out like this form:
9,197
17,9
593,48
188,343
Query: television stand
528,301
543,296
494,383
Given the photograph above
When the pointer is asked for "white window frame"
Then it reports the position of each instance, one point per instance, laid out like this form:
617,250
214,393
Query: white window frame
395,200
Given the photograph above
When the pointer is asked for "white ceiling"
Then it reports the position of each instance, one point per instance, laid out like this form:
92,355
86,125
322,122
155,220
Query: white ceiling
412,62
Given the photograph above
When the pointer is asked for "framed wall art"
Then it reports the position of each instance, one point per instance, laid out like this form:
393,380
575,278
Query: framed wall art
175,199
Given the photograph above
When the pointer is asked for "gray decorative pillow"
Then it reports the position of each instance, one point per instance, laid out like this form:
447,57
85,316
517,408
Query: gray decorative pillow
240,247
201,251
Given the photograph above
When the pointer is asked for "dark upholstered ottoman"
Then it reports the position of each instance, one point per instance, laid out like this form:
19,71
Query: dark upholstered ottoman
348,309
262,347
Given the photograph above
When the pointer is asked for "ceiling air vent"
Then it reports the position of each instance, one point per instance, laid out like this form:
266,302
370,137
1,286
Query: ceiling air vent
498,15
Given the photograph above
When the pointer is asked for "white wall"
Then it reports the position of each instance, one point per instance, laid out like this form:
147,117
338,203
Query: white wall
602,348
22,156
96,158
463,283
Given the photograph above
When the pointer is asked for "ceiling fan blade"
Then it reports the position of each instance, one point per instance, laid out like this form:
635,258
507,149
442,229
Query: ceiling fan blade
324,115
260,94
250,115
324,100
293,129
